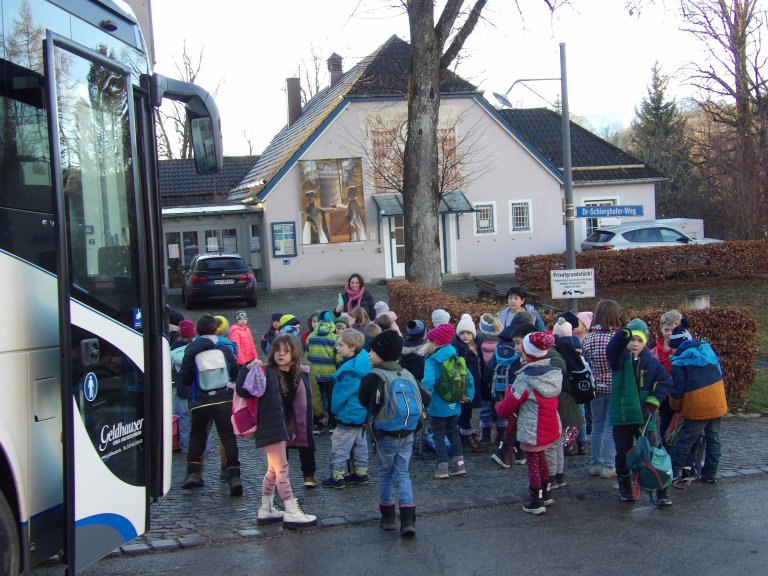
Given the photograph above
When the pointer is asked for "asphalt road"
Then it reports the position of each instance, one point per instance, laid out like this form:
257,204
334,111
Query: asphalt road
710,530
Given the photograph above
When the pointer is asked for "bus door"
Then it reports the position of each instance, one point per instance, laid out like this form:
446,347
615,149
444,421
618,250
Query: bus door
103,303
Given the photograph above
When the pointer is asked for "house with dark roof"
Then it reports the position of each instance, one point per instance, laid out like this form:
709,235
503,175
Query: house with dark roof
329,183
198,216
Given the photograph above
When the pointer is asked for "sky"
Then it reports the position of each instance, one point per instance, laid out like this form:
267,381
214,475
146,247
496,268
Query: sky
250,48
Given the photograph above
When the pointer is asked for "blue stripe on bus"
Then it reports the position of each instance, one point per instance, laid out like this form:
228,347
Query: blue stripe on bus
115,521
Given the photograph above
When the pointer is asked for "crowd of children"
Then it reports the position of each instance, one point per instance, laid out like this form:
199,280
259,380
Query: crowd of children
417,394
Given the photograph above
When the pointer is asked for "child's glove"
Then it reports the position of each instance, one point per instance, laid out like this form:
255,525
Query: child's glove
625,333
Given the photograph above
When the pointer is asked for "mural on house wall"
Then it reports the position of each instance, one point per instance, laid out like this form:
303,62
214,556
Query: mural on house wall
332,201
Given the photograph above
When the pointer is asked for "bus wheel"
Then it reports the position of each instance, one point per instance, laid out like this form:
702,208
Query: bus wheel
10,555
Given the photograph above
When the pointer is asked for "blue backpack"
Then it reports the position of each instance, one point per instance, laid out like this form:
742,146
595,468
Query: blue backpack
399,403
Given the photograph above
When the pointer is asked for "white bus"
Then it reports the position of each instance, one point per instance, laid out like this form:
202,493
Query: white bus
84,384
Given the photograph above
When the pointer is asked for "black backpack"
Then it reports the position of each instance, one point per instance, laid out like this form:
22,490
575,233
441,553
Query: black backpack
580,377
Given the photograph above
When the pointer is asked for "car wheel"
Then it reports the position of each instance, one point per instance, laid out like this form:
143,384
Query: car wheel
10,552
183,295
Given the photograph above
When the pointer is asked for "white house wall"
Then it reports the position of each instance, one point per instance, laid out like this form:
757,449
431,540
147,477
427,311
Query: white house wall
501,170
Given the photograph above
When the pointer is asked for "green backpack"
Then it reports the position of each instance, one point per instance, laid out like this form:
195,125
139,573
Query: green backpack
454,379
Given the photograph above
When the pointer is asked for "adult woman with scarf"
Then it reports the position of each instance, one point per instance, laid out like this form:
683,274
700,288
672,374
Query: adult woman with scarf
355,295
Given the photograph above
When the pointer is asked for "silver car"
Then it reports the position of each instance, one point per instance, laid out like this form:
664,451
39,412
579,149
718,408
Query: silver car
638,235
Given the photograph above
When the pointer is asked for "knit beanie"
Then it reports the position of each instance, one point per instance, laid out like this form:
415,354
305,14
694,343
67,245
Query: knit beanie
571,318
186,329
536,344
466,324
441,335
174,317
415,328
562,327
380,307
276,316
325,316
342,320
440,316
679,335
289,320
586,318
221,324
639,329
388,345
488,323
241,315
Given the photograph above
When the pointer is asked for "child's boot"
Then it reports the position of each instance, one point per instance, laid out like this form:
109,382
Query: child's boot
662,498
485,436
501,455
457,468
625,488
518,454
268,514
407,521
534,504
546,492
294,517
235,484
388,517
581,451
470,444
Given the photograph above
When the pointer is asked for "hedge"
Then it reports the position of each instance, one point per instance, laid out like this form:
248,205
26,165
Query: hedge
738,258
731,330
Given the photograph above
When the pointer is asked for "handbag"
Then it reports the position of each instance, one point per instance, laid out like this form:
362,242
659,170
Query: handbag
651,466
249,387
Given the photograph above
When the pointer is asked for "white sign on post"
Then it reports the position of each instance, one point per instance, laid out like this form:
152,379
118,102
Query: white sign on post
572,283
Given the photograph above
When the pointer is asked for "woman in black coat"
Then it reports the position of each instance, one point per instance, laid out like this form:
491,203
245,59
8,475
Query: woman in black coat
285,419
355,295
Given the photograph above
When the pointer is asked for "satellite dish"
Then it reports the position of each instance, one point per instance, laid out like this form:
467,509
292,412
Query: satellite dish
501,99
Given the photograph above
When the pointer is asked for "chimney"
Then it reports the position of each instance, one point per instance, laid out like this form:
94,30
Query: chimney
334,67
293,92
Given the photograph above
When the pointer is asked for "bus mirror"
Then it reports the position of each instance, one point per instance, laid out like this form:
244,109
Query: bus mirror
203,117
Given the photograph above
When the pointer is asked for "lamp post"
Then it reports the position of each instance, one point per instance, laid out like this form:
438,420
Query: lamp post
570,212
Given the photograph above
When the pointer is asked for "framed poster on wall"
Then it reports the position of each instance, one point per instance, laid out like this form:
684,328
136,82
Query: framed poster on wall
283,239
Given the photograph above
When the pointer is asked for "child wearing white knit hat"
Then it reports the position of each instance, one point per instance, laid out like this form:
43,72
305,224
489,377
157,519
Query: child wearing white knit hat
468,348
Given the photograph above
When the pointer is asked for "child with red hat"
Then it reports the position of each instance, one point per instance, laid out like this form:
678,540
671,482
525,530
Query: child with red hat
533,395
444,411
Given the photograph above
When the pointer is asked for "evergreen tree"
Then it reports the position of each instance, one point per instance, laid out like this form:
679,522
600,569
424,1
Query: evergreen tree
659,137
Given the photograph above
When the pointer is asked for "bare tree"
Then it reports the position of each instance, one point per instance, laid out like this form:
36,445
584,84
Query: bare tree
173,130
311,74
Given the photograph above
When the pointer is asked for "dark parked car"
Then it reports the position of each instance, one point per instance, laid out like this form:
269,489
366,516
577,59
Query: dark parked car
218,277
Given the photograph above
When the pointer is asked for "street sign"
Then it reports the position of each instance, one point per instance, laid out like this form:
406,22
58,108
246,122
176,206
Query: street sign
608,211
572,283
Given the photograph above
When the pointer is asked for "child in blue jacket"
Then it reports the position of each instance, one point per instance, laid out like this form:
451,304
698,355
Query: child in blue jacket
348,438
444,416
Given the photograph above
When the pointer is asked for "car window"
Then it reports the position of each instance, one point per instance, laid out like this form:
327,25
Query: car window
643,235
670,235
600,236
214,264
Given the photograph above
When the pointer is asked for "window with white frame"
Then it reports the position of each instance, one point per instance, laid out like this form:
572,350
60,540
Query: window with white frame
520,216
485,218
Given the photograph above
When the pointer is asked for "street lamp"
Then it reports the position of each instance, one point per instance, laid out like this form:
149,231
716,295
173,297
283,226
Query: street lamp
570,213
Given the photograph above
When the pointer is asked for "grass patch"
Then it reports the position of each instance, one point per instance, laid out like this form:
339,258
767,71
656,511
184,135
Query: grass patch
757,395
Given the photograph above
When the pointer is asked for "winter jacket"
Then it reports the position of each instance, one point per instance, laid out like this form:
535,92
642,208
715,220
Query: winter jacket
698,391
242,338
506,316
475,366
534,397
321,357
569,412
635,382
177,355
439,407
594,351
487,343
412,357
506,359
346,383
186,385
275,424
366,302
267,338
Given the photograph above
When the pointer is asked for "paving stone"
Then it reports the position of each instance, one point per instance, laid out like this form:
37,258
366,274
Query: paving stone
729,474
222,536
135,549
167,544
192,541
334,521
248,533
